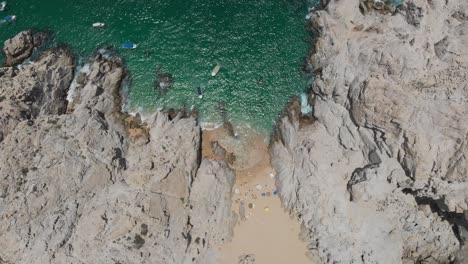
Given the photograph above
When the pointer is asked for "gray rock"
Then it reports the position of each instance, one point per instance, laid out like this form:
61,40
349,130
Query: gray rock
18,48
76,188
246,259
218,150
38,89
390,104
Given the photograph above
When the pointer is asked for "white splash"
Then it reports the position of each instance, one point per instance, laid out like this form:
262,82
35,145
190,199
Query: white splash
305,107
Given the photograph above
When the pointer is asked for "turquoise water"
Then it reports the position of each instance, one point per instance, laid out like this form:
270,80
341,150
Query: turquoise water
260,45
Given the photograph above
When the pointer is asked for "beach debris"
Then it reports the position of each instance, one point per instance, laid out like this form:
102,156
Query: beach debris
236,191
242,211
266,209
272,176
263,194
268,194
246,259
251,206
275,192
259,187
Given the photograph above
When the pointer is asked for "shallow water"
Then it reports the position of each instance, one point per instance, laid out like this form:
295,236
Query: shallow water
259,44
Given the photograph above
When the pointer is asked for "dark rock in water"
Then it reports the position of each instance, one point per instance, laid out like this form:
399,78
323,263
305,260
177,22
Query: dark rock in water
18,48
163,81
40,39
221,107
230,129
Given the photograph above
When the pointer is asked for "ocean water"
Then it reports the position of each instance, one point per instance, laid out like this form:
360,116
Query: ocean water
260,44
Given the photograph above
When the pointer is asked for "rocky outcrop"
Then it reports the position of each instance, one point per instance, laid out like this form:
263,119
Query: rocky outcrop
19,48
22,46
35,90
75,187
381,174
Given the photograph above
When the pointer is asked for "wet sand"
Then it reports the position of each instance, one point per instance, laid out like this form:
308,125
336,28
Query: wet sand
264,229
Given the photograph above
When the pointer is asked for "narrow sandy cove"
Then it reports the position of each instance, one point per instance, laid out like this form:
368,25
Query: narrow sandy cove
264,230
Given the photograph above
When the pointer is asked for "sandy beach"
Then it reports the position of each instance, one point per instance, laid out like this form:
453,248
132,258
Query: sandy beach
264,231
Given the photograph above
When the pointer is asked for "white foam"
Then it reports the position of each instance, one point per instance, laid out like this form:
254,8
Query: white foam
80,69
210,126
305,107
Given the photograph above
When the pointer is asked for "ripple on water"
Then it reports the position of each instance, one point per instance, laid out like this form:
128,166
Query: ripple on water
260,45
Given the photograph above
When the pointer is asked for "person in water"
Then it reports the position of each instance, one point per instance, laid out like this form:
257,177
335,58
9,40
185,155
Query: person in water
148,52
260,81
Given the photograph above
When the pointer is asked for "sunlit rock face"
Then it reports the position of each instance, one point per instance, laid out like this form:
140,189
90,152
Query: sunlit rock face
381,175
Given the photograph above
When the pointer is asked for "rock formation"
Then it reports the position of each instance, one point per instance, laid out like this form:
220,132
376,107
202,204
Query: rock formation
378,173
381,176
21,47
75,187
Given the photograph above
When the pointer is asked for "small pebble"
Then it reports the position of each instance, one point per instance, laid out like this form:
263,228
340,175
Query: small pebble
259,187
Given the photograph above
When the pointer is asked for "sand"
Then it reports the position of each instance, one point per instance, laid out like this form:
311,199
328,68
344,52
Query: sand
265,231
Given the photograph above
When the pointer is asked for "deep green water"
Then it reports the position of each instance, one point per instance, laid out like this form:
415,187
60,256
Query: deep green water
260,45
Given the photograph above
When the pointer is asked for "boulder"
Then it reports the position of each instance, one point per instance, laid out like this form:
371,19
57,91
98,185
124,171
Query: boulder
18,48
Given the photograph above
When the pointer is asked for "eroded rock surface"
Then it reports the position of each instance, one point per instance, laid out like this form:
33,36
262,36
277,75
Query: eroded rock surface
22,46
381,175
76,188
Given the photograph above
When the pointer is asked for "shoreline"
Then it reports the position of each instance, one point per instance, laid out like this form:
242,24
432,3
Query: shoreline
344,170
264,228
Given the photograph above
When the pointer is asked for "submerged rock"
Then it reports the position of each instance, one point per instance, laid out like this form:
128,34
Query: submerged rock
164,81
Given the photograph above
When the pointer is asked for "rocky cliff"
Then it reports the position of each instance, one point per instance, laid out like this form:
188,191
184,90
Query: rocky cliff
379,174
78,185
